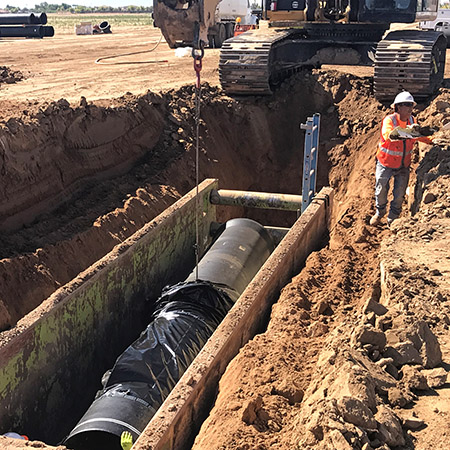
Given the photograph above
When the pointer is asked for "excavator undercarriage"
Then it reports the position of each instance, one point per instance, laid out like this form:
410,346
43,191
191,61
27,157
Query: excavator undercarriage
256,61
409,60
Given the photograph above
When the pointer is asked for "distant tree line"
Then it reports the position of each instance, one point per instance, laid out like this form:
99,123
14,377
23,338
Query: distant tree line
79,9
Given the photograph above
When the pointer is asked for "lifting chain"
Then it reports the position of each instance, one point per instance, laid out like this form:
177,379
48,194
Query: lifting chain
197,54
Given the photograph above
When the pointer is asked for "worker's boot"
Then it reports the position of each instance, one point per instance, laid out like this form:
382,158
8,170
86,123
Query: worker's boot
390,220
375,219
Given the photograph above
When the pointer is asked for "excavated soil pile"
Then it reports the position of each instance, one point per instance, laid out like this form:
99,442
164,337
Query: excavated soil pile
355,354
9,76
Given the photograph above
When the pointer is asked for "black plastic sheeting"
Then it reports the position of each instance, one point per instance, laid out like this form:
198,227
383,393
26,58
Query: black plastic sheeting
186,315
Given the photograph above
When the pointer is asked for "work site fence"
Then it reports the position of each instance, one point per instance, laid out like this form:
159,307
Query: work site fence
25,25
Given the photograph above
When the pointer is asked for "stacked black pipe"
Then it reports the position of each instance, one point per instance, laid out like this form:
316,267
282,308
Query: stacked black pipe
25,25
186,316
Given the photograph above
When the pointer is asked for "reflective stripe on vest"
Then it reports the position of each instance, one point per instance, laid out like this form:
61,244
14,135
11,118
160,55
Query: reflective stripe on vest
395,154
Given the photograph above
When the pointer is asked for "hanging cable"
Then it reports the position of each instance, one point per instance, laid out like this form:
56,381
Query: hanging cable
197,54
98,60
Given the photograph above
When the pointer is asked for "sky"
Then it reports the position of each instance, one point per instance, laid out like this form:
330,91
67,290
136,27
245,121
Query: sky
115,3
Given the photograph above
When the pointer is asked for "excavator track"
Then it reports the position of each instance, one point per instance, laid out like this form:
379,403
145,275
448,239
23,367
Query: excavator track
409,60
253,62
245,62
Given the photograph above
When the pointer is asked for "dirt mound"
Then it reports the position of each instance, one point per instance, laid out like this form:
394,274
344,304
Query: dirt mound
18,444
9,76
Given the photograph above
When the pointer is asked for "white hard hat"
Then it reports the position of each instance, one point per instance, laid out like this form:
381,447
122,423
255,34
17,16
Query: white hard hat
403,97
12,434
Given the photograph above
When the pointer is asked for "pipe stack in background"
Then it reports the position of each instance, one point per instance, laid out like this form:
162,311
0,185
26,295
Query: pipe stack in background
25,25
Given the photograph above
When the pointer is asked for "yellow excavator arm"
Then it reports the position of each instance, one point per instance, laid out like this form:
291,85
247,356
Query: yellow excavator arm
184,22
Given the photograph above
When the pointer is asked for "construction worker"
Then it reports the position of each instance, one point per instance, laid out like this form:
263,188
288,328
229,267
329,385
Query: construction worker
394,158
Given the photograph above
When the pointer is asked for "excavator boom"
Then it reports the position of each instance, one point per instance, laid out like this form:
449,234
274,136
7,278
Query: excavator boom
184,22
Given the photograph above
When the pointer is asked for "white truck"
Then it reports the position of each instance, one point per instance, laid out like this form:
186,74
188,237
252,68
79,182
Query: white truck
441,23
227,12
443,16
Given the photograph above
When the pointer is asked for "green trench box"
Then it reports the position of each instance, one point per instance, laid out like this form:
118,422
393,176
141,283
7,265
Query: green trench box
51,368
52,362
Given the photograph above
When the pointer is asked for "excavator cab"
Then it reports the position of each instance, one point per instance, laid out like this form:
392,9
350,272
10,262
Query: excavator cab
371,11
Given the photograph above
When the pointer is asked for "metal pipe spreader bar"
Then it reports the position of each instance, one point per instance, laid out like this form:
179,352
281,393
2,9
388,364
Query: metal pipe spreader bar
264,200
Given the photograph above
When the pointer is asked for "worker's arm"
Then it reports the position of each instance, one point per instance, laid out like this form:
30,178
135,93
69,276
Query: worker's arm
386,127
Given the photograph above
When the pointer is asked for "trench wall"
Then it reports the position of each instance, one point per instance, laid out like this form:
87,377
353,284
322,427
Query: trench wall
55,354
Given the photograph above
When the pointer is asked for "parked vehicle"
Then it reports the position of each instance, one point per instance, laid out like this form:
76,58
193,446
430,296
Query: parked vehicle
441,23
443,16
229,13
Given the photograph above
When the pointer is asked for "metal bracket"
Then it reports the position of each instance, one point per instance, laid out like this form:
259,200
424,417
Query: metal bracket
312,127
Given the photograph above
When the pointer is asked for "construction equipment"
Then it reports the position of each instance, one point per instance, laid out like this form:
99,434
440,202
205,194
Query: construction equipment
307,33
177,20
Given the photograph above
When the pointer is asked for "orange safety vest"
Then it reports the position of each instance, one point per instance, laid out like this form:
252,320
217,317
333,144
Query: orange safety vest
395,154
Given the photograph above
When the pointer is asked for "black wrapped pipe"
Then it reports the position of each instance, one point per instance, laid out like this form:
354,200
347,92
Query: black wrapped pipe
41,18
23,19
29,31
236,256
186,316
48,31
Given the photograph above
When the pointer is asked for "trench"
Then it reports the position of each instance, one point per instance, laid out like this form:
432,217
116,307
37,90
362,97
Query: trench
248,144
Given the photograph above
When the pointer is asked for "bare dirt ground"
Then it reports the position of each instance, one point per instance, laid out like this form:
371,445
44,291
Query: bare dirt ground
64,67
357,351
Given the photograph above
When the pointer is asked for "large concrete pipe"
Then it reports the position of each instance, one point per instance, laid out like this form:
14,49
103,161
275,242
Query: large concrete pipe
186,316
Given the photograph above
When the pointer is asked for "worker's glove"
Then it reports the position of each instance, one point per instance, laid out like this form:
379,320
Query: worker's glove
399,133
427,131
126,440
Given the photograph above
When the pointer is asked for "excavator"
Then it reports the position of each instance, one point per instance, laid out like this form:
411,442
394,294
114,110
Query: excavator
294,34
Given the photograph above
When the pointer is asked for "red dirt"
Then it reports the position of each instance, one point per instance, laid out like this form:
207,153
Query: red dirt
317,378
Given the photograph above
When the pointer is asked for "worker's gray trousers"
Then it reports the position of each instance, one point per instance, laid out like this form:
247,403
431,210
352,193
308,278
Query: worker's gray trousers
382,178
